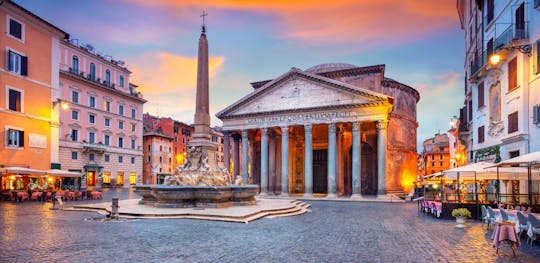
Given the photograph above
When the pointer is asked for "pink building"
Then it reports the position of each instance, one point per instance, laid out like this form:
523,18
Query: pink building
101,130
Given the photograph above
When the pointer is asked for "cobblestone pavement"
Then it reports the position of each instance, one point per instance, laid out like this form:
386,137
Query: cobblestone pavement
332,232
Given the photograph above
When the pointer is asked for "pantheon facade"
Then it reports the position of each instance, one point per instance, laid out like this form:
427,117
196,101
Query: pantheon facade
331,130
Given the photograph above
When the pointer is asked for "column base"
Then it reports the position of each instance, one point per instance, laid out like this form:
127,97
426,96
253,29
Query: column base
356,197
263,194
284,195
384,197
331,196
308,194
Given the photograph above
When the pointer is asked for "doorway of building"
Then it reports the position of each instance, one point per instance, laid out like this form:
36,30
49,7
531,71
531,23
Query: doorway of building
91,178
368,170
320,171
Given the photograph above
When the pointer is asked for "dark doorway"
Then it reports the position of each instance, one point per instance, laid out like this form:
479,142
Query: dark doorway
320,170
368,170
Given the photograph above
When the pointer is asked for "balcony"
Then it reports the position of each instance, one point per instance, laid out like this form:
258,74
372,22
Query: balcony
478,63
512,34
94,147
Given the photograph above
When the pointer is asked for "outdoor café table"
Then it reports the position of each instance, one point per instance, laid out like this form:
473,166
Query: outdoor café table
71,195
96,195
504,232
22,196
36,195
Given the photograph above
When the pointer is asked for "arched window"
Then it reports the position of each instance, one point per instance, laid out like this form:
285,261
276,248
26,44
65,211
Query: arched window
75,65
121,81
92,71
108,77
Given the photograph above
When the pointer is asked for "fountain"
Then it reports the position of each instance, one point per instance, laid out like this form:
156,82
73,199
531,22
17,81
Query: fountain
200,181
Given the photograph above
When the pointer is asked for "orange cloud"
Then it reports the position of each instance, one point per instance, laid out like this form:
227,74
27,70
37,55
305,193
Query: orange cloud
169,81
340,21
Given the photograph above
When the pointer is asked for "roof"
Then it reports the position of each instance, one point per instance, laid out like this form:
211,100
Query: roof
529,159
329,67
157,135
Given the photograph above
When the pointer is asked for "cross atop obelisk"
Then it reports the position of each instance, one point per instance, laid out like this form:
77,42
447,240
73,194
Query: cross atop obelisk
204,14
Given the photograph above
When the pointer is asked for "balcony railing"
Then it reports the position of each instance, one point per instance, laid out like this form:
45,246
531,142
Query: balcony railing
94,147
511,32
478,63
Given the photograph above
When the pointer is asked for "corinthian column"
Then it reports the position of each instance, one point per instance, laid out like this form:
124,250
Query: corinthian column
382,126
356,165
264,161
331,192
245,157
284,160
308,161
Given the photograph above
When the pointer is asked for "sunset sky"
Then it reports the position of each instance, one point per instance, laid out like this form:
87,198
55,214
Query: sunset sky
420,41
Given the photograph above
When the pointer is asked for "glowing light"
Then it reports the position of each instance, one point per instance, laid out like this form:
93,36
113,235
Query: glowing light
64,105
435,186
494,59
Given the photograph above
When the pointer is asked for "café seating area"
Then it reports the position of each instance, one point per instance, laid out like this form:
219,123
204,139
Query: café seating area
49,196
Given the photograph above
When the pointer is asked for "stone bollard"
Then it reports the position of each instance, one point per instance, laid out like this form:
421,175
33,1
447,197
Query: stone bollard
114,209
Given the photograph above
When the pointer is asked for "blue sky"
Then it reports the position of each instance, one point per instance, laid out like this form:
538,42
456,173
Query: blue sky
420,41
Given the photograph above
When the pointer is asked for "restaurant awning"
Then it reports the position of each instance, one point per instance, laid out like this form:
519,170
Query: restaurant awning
438,174
485,171
63,173
529,159
20,170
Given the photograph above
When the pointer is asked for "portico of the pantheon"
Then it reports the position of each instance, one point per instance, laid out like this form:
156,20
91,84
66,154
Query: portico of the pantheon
334,129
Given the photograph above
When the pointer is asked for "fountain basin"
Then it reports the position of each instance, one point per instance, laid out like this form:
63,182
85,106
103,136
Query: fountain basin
197,196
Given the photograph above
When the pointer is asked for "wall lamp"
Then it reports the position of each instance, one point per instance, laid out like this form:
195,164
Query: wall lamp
63,104
496,57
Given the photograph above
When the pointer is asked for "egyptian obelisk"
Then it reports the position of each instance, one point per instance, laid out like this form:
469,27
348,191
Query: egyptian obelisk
201,137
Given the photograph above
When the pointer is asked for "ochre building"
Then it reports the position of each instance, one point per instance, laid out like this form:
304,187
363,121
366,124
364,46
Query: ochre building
333,129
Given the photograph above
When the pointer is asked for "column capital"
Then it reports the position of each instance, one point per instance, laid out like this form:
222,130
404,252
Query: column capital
308,128
356,126
284,130
332,127
264,131
382,124
244,133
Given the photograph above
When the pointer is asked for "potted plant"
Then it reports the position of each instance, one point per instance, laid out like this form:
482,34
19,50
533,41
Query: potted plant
461,214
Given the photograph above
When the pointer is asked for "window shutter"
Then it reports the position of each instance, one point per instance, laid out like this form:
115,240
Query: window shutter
9,62
24,66
536,114
21,138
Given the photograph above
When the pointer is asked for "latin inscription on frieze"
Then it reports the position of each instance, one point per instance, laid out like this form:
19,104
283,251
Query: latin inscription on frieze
301,118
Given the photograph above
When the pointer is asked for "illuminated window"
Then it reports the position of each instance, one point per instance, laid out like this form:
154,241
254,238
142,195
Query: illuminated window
132,178
120,178
106,177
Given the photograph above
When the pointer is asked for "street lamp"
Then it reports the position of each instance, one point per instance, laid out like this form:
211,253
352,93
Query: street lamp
63,104
453,121
495,58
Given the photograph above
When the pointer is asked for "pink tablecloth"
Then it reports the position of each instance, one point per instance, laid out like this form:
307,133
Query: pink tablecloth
504,232
22,195
96,195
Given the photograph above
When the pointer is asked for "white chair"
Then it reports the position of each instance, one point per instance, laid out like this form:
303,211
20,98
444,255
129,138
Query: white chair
535,227
523,223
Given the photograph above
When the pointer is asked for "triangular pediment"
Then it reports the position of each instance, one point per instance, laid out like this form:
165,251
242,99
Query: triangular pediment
297,90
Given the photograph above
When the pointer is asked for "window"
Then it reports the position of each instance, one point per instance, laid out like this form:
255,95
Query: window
489,47
440,157
537,60
512,74
106,177
132,143
107,106
15,138
513,122
183,140
148,158
432,164
107,159
120,142
134,114
75,65
17,63
175,128
132,160
490,10
91,137
74,96
132,178
15,100
133,127
175,139
92,102
121,109
107,77
120,159
469,109
74,135
75,115
536,114
91,118
440,163
92,71
121,81
121,125
481,95
73,155
15,29
160,159
481,134
513,154
107,122
520,22
91,157
107,139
